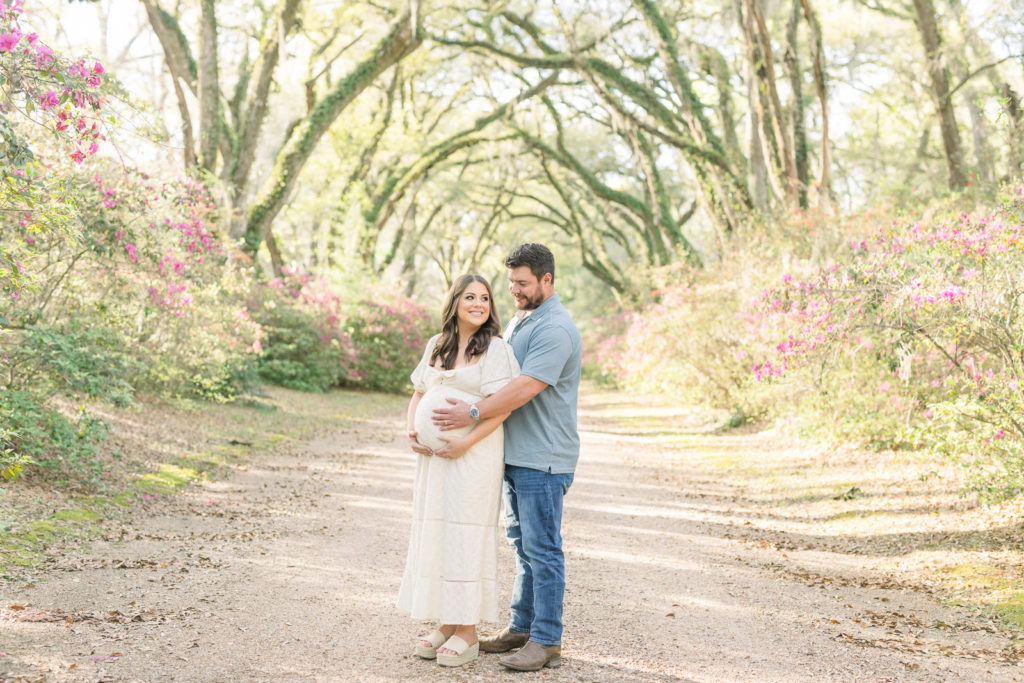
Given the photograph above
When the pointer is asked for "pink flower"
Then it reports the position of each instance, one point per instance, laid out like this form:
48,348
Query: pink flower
9,40
130,248
44,56
49,100
953,293
97,68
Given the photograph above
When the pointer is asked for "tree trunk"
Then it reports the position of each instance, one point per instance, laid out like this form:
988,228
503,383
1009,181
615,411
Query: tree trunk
758,164
209,89
1015,154
714,65
930,37
785,158
820,87
796,83
255,112
188,142
182,69
401,40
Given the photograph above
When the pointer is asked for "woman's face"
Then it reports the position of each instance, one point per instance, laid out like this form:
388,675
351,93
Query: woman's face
474,305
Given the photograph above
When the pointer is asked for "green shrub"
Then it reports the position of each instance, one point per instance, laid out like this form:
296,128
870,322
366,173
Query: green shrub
388,335
295,352
74,360
315,339
41,436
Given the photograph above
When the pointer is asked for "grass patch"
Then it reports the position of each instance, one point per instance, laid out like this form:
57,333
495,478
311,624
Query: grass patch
26,547
77,515
1012,609
167,479
993,588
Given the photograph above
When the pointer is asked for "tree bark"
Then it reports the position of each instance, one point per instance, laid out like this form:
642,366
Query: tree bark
175,46
796,83
182,70
759,172
253,116
401,40
784,157
188,142
714,65
821,88
928,28
209,89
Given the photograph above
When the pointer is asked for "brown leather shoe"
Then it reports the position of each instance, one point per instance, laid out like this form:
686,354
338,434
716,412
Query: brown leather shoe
533,657
503,641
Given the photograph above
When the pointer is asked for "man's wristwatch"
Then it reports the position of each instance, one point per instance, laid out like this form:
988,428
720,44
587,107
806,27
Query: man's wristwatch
474,413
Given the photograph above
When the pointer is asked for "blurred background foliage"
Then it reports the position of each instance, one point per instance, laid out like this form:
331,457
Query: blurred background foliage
798,211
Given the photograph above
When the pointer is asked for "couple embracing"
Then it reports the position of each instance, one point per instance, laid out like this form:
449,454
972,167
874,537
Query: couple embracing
493,418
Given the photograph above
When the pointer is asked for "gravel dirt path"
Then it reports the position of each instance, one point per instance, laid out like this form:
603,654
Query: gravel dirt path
288,569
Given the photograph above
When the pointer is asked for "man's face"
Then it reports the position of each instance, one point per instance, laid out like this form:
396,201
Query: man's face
526,289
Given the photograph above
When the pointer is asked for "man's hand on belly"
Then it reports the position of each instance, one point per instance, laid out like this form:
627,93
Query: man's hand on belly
455,416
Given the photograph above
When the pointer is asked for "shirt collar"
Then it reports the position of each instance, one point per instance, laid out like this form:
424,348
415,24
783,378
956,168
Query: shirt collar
521,317
548,304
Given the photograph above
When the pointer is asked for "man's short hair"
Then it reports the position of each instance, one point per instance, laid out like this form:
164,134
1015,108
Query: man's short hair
538,257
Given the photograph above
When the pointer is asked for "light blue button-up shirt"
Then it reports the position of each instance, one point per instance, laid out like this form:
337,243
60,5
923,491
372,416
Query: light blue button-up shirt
542,434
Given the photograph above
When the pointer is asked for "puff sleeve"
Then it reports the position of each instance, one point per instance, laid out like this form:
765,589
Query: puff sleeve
419,375
499,367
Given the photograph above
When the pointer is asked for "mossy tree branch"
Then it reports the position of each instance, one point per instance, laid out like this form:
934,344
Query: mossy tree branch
401,40
252,117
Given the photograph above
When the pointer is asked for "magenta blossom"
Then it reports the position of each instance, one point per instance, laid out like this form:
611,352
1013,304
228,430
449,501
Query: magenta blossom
8,41
49,100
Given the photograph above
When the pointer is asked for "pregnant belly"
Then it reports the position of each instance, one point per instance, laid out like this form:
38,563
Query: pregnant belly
427,432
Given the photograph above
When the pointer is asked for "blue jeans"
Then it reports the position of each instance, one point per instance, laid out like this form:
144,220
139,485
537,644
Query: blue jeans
533,518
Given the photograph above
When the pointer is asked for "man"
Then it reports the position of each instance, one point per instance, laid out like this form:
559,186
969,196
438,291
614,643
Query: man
541,449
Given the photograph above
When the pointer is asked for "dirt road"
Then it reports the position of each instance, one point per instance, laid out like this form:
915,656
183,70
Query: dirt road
287,571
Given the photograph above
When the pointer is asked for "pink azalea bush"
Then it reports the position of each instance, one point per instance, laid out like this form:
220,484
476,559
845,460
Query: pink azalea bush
388,332
921,326
911,337
316,338
146,262
693,341
50,94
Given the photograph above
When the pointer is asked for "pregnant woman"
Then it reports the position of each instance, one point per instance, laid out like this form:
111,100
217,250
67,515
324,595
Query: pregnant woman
451,569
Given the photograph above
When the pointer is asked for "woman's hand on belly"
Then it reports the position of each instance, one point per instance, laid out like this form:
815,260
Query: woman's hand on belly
416,445
453,448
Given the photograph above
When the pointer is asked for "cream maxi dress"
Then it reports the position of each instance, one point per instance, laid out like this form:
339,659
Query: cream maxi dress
451,568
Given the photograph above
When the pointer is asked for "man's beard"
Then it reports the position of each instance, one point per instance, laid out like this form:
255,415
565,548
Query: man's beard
530,304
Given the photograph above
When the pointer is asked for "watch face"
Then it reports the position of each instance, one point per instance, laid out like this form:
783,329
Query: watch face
474,412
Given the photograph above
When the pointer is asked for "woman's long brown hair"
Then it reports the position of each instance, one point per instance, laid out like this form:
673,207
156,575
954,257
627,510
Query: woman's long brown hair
447,347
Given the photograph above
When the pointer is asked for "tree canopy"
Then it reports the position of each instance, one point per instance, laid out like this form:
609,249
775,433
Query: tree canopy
413,135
